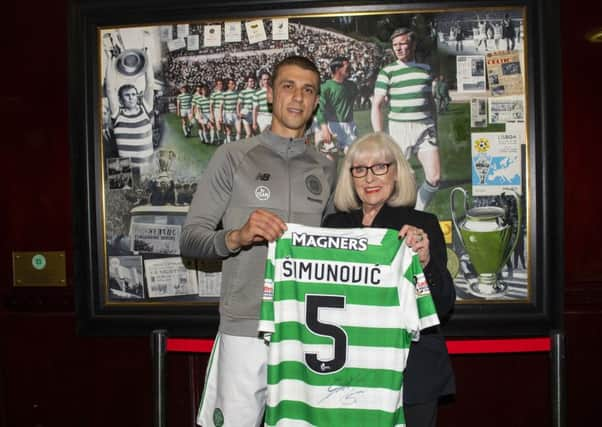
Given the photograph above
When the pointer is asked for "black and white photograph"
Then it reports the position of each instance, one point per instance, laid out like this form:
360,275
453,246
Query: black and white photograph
478,112
506,109
470,73
125,278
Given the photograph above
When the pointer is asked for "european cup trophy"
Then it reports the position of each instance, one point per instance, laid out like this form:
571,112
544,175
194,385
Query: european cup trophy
165,159
489,237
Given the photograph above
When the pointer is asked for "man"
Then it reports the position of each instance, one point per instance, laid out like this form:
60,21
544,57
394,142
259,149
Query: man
459,36
202,114
480,34
244,108
184,109
497,34
407,85
335,111
217,107
229,110
508,32
131,116
252,187
443,94
262,116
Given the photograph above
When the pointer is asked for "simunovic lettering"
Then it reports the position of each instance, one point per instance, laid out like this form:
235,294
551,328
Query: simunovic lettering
309,271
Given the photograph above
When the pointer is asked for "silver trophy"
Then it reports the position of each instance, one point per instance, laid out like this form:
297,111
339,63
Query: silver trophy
165,160
489,236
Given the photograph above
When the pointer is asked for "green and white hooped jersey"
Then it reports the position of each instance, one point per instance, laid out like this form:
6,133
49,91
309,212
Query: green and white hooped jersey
261,101
230,99
245,98
201,102
216,99
185,100
408,86
340,308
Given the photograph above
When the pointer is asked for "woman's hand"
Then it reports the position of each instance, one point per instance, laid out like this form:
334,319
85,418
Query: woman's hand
418,240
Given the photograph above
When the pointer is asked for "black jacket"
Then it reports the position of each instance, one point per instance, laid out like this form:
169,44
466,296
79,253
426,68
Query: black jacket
428,373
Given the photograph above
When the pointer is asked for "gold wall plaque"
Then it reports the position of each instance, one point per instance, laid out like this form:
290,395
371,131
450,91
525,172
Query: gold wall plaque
39,269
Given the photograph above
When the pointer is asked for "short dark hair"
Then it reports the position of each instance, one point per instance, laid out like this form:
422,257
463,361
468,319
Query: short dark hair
337,63
401,31
299,61
125,87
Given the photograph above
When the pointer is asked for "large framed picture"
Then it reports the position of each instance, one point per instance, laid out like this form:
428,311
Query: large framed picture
157,87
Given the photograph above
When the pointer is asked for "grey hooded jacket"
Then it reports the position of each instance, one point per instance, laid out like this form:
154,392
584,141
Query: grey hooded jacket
286,176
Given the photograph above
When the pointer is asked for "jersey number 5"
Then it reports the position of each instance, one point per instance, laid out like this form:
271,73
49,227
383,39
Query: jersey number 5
312,305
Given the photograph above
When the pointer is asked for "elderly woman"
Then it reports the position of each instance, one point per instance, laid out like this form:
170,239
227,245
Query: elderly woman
376,188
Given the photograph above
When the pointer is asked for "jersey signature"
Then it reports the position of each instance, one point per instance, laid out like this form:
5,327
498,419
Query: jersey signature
347,395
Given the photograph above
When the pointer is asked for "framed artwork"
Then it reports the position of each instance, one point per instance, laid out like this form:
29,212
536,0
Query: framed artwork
157,88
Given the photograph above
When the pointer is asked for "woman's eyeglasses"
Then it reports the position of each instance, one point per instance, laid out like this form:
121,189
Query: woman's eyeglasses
377,169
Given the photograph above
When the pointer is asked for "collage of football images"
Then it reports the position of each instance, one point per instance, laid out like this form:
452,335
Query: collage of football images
173,93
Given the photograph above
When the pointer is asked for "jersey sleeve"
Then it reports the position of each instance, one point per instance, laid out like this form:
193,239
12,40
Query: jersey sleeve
415,297
381,86
320,113
266,317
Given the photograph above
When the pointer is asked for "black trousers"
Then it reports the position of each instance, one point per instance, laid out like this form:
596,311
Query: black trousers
422,414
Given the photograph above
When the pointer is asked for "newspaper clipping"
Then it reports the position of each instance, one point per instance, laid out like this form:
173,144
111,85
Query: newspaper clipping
470,73
169,277
478,112
155,238
496,163
504,73
507,109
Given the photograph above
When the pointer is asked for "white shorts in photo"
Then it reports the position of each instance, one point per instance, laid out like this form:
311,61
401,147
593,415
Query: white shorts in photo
246,116
202,118
264,120
229,118
414,136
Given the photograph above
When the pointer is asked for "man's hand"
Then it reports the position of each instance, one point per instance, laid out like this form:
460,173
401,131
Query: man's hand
326,135
261,226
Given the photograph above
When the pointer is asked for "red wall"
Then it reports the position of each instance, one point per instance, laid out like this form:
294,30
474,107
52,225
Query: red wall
51,377
582,93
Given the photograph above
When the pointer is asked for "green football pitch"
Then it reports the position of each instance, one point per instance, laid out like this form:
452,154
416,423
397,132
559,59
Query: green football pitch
453,137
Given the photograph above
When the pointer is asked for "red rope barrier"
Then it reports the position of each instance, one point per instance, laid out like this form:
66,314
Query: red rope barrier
482,346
